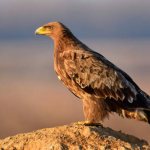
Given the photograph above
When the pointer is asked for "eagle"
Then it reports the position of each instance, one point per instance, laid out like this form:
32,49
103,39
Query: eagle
102,86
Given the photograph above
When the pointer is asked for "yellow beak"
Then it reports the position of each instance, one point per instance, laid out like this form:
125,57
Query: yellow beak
40,30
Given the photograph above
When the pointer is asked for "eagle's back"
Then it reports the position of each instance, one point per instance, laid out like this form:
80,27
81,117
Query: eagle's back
89,75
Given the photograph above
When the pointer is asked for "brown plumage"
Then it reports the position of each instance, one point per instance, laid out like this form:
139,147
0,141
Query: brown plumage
102,86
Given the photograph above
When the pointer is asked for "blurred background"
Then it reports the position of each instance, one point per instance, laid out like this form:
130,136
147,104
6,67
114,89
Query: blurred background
31,97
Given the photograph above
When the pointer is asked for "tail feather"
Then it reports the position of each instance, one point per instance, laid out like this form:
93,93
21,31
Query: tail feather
139,109
144,112
141,115
146,100
147,112
148,104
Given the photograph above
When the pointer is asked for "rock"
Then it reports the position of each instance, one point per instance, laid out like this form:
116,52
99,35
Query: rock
74,137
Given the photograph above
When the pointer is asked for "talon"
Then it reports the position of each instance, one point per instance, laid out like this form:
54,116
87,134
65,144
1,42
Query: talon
93,124
88,123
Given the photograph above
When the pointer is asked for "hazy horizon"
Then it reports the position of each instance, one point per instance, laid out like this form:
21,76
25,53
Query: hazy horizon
32,97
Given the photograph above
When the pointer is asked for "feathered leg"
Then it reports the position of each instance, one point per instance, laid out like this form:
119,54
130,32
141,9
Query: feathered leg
94,111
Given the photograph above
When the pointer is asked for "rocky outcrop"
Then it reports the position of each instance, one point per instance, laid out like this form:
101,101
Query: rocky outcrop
73,137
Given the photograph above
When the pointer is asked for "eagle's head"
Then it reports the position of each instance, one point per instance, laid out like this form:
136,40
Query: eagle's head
52,30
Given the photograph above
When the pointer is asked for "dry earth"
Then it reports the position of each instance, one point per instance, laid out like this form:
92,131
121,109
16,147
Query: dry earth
74,137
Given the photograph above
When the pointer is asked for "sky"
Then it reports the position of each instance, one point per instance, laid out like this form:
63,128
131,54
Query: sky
96,18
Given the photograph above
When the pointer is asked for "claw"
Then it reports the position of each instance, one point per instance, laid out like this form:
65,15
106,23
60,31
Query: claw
87,123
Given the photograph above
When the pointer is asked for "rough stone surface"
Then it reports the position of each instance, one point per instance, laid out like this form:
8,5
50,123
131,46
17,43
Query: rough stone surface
74,137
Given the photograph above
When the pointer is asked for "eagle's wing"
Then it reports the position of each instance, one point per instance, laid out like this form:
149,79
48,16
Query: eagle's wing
97,76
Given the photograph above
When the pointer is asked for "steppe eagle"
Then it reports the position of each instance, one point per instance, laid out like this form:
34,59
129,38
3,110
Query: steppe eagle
102,86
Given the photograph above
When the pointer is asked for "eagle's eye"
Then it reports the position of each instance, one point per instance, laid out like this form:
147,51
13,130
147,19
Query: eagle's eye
48,27
51,27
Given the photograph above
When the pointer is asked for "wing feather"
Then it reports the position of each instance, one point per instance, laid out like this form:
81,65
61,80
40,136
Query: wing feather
92,71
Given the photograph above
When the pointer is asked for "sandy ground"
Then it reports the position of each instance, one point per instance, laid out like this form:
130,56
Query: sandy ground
73,136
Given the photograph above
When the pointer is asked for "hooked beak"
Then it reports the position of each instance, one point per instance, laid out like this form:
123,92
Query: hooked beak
40,31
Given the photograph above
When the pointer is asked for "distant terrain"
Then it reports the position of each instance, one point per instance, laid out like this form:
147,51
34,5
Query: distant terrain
31,96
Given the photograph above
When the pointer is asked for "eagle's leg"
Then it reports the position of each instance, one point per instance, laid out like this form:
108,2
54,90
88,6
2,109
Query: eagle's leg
95,110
